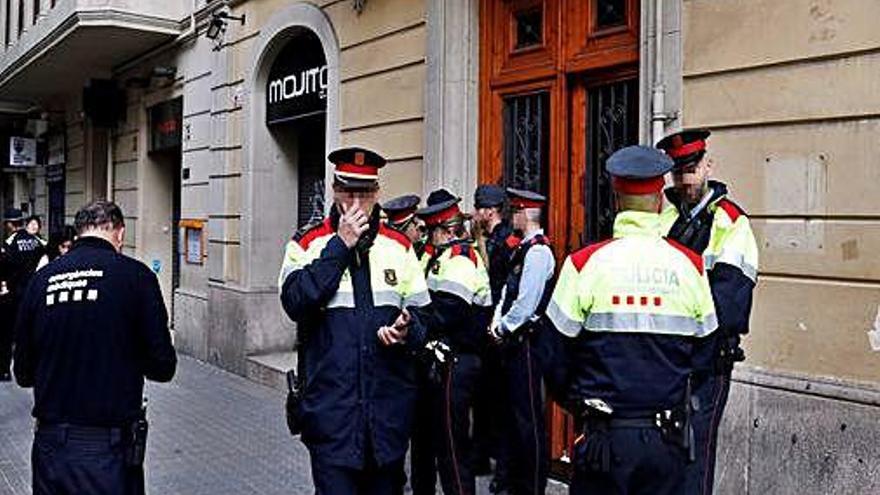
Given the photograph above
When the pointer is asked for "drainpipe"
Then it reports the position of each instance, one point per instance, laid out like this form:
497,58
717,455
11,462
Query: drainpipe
110,166
658,99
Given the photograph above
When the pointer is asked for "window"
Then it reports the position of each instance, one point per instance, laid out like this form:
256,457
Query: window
529,28
526,140
613,113
610,13
36,11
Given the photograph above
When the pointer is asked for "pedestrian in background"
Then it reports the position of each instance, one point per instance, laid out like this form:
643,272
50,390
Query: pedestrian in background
59,244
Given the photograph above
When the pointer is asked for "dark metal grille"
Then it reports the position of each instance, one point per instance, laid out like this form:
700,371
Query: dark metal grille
529,28
526,139
610,13
613,123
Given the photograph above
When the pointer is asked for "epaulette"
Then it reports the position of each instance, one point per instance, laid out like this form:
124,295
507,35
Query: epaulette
512,241
733,210
305,235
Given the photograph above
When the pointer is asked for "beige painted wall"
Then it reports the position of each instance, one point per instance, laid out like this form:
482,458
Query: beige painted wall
790,89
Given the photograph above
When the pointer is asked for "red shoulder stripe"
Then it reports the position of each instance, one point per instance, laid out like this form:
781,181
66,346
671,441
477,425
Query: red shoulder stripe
732,209
580,257
462,250
695,258
319,231
395,235
512,241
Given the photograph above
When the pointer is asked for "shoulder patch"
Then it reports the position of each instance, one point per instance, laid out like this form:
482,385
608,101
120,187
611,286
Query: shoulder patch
311,233
395,235
732,209
695,258
512,241
580,257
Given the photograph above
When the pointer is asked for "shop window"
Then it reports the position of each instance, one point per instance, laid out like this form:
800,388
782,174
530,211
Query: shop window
613,112
526,138
529,28
610,13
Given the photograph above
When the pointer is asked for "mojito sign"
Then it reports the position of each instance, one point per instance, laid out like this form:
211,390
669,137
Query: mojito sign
297,85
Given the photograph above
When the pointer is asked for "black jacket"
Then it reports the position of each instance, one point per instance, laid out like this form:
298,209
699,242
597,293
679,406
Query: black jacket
92,326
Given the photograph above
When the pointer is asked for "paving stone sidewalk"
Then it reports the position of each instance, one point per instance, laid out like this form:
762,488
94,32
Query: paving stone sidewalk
211,433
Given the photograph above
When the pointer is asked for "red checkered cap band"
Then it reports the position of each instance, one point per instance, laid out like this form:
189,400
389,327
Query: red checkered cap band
442,216
525,203
355,171
638,186
687,149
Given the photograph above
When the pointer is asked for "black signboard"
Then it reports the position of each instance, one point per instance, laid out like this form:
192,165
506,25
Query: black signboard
297,85
166,121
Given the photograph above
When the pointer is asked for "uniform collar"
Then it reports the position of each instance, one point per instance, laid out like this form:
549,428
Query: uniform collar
637,223
92,241
502,230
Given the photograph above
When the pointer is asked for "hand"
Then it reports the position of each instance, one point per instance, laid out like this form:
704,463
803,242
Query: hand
353,223
496,334
390,335
402,320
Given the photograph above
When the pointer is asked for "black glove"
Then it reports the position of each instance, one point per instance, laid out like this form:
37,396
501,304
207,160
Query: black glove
593,451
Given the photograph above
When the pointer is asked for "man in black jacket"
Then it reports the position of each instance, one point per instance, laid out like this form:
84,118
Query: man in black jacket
92,326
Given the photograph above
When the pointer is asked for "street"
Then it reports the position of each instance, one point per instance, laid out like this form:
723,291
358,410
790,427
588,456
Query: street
211,433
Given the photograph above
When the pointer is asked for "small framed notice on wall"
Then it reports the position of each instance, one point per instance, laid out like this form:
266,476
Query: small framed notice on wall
193,241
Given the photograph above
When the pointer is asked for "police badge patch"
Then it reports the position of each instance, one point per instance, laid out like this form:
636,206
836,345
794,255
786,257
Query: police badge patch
390,277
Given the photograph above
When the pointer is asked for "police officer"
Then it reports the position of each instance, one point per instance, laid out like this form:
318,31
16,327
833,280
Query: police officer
460,305
21,254
92,326
355,287
523,301
401,212
495,241
703,218
632,309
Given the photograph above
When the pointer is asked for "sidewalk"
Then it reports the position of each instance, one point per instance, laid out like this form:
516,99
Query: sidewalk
211,433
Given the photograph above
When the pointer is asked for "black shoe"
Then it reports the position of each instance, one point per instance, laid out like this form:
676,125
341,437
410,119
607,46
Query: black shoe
5,376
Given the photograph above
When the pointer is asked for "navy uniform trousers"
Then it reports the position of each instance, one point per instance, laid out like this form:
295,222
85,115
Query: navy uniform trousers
454,397
528,462
83,460
423,452
712,389
642,464
330,479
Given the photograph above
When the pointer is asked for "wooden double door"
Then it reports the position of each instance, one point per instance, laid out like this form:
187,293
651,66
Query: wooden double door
559,92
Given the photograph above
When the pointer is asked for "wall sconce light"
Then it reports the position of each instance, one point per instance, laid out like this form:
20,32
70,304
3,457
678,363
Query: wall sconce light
217,26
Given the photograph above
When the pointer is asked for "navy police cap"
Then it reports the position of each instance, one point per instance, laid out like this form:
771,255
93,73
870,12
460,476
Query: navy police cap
685,147
401,208
489,196
638,169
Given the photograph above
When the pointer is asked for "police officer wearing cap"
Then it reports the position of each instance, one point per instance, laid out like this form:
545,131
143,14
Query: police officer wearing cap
21,253
401,213
460,310
356,291
632,310
496,242
703,217
92,327
524,300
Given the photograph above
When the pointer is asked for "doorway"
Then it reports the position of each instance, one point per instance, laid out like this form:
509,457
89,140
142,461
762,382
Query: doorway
559,94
